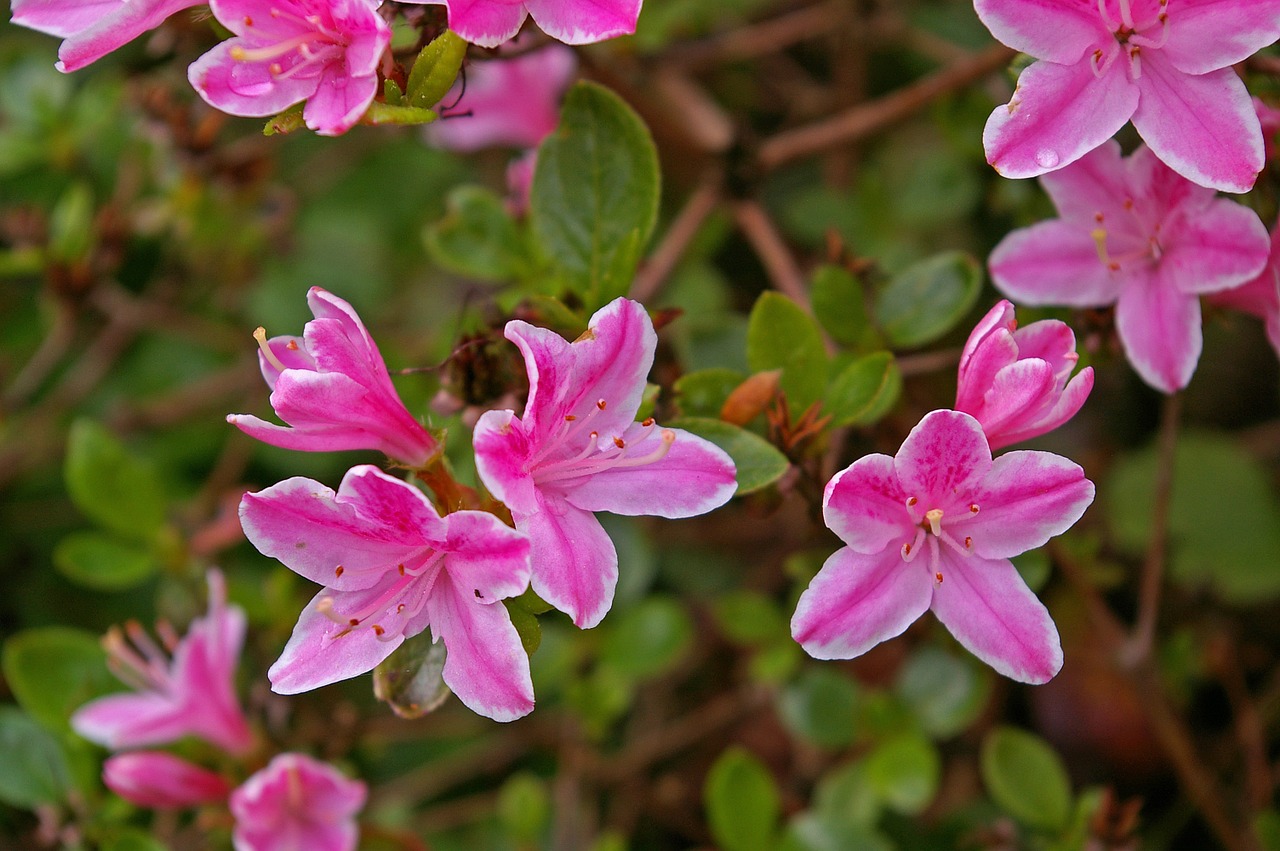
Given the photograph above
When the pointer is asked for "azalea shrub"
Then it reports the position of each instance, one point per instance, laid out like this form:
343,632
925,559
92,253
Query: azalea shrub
481,424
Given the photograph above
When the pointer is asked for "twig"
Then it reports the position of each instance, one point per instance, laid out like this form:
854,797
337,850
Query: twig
872,116
754,40
926,362
769,246
1250,730
45,359
676,240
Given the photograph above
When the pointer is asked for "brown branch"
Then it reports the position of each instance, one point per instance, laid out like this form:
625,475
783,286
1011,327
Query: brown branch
754,40
675,242
784,273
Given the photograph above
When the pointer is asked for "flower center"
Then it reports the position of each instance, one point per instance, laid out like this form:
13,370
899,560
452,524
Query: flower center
411,588
137,660
1131,35
314,46
931,534
1144,244
577,449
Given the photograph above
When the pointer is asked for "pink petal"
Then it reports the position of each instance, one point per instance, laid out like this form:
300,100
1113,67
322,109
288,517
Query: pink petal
1159,328
1051,341
289,351
296,803
1060,32
485,555
1058,113
584,21
1205,35
1068,404
1016,395
161,780
1096,183
317,654
1026,499
1053,262
866,506
988,348
244,88
339,101
694,477
1203,127
130,20
487,23
989,609
946,453
61,18
575,566
204,669
1216,248
130,720
485,663
857,601
502,452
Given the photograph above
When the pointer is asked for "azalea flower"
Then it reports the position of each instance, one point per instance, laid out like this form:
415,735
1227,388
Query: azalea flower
1165,64
578,450
489,23
934,528
391,566
162,780
1016,382
297,803
1134,233
1261,296
192,693
91,29
333,389
325,52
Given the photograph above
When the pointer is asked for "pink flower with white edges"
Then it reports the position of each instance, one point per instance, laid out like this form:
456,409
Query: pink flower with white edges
934,528
162,780
1165,64
391,567
90,29
297,803
578,450
190,694
1261,296
325,52
1016,382
332,387
489,23
1134,233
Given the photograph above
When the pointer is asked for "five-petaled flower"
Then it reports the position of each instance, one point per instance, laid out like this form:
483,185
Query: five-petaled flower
297,803
934,527
578,450
1165,64
1017,382
91,30
325,52
391,566
1134,233
191,694
489,23
1261,296
333,388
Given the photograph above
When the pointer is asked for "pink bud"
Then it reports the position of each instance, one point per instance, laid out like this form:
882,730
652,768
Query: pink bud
157,779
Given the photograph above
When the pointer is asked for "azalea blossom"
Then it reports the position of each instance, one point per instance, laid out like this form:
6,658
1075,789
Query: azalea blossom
578,449
162,780
934,528
192,693
489,23
90,29
391,566
332,387
1165,64
1261,296
1017,382
325,52
297,803
1134,233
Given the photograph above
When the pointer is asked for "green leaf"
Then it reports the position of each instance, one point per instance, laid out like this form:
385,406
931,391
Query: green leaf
133,839
845,794
820,706
477,237
823,832
750,618
1224,521
34,769
527,626
904,771
55,670
524,806
703,393
742,802
1026,778
380,113
435,70
927,299
594,200
411,679
648,639
103,562
780,335
71,224
837,301
945,693
759,462
865,390
285,122
113,488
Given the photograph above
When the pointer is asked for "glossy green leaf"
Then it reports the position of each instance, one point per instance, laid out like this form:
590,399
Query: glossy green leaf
648,638
112,487
411,679
527,626
780,335
1026,778
820,706
865,390
703,393
928,299
55,670
524,806
751,618
945,693
904,771
34,769
837,299
103,562
477,237
435,70
759,462
822,832
742,802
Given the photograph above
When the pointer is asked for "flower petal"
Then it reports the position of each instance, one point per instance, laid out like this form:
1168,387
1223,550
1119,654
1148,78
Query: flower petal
989,348
486,555
584,21
487,23
1059,31
161,780
339,101
1015,395
1159,327
61,18
946,453
1218,247
989,609
866,506
857,601
575,565
244,88
1069,402
320,651
130,720
502,450
1205,35
1053,262
129,20
1027,498
1096,183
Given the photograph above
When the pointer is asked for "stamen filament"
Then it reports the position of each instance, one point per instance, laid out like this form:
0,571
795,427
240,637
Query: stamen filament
260,334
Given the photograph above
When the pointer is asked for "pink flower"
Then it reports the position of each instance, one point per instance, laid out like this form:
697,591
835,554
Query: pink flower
489,23
391,566
934,528
297,803
91,29
1016,382
578,450
1134,233
332,387
191,694
161,780
1165,64
325,52
1261,296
